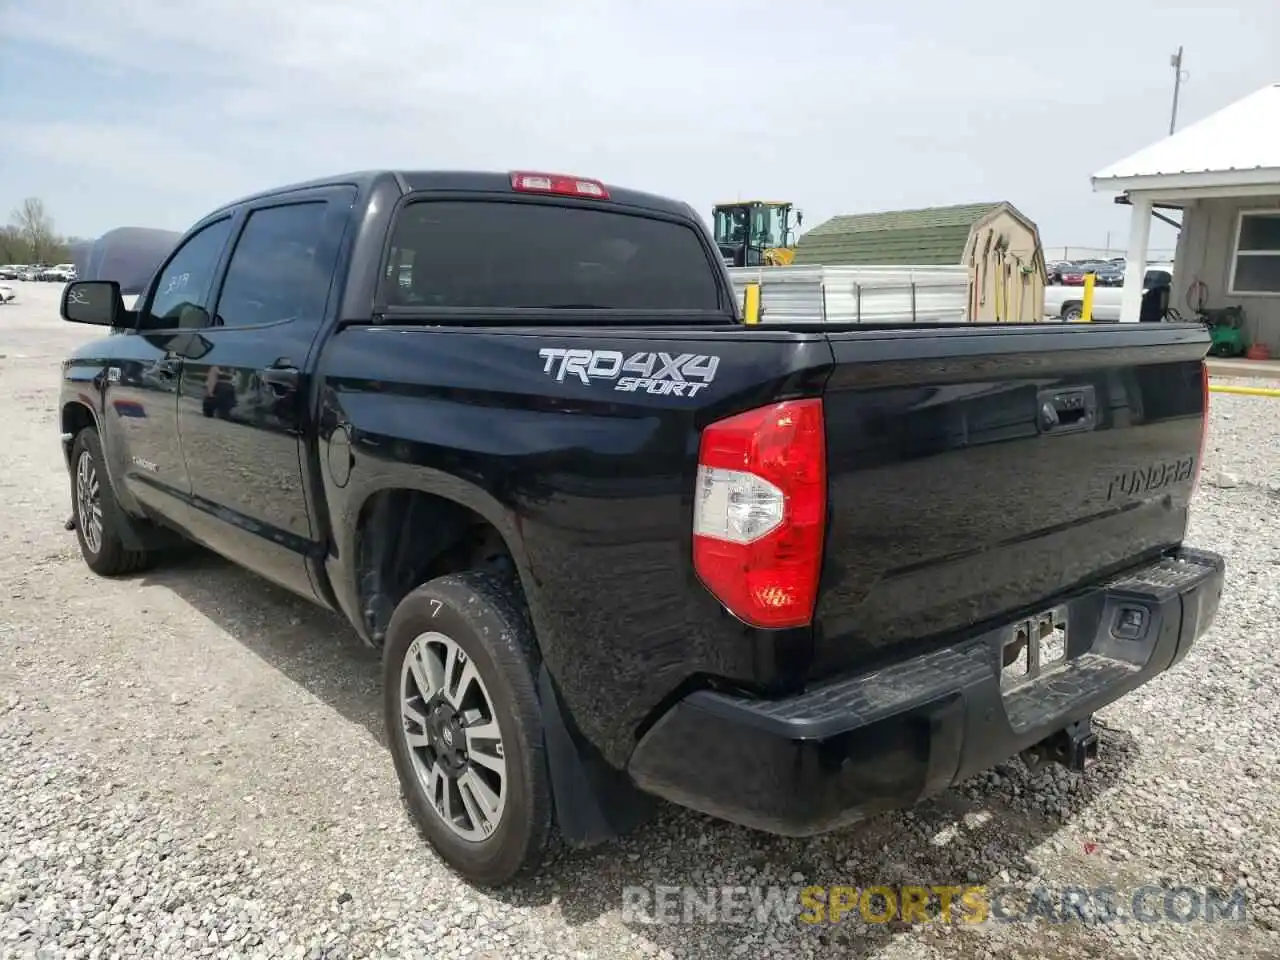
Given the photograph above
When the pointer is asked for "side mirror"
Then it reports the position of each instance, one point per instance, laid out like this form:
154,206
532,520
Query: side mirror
93,301
799,218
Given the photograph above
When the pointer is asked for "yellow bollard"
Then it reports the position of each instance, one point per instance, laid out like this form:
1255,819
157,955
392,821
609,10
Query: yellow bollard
1245,391
1086,309
751,303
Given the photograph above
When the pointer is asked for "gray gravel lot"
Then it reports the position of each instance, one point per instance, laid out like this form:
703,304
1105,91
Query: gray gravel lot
191,765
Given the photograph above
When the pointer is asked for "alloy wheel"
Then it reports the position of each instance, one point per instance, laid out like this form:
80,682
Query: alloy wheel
89,502
451,730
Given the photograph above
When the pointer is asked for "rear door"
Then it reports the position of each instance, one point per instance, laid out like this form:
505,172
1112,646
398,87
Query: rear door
244,407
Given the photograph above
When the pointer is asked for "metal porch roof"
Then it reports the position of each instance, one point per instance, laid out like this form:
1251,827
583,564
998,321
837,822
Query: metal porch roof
1240,144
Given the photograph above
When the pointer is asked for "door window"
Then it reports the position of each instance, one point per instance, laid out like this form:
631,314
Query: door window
181,297
276,271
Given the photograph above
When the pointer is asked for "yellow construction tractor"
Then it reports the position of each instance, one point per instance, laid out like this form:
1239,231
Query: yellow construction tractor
754,233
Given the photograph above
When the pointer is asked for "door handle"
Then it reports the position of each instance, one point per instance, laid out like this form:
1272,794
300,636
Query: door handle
280,378
1067,410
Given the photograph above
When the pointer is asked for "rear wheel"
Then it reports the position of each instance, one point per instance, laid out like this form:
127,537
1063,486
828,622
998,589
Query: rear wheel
98,518
465,730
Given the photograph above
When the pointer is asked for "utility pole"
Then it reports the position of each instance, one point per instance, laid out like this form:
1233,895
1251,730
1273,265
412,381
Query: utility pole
1179,76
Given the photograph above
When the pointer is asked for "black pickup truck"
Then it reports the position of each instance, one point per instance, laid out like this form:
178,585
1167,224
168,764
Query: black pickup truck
613,543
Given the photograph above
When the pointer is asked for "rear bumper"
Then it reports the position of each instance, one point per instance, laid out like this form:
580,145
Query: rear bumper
853,747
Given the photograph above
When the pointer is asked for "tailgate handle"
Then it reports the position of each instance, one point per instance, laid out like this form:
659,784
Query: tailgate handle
1067,410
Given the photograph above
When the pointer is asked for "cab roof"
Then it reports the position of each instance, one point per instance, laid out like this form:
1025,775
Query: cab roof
461,181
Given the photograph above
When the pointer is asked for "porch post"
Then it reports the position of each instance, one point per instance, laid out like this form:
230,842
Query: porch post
1135,259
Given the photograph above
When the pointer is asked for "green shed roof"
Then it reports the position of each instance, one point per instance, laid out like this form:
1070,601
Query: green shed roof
932,236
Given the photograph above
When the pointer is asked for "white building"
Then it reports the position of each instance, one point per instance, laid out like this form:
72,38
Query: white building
1223,173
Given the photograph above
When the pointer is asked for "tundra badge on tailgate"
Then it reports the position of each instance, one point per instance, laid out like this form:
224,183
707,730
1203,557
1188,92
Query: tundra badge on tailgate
663,374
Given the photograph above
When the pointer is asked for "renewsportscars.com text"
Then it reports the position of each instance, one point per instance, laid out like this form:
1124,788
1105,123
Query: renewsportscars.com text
934,903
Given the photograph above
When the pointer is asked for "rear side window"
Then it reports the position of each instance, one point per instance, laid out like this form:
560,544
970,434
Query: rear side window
277,271
495,254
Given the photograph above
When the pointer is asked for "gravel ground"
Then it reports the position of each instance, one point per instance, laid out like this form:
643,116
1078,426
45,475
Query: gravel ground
191,765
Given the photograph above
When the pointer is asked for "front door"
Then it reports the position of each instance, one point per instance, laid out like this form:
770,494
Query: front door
140,411
243,410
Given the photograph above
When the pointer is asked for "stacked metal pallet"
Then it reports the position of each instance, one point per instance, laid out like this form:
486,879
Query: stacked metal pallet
862,294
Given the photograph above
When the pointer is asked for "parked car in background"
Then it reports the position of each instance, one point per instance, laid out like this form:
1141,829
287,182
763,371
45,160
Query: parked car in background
10,271
1066,302
1072,275
1110,274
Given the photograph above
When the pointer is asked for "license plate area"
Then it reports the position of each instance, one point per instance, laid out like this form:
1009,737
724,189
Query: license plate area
1033,648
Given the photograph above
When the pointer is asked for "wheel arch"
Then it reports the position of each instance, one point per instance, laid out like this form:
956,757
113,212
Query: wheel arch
75,416
78,413
426,527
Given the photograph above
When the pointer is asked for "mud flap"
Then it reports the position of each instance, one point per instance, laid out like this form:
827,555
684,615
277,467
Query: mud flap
594,803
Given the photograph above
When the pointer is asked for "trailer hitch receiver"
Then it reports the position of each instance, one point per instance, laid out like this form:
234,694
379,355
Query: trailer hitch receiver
1074,746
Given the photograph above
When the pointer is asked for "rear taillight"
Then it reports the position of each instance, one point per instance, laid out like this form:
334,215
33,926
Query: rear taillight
559,184
760,511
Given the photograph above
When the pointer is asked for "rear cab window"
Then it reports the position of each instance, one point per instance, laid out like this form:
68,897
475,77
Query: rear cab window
489,254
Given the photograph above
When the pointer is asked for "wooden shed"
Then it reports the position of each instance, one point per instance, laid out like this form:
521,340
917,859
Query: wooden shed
999,245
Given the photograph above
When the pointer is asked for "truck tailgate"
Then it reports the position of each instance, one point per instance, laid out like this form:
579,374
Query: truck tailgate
980,472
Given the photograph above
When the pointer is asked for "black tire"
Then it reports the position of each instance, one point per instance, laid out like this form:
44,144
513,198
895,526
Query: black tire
111,558
486,619
1072,312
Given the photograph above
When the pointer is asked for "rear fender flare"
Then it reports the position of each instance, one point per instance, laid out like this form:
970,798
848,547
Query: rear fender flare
346,510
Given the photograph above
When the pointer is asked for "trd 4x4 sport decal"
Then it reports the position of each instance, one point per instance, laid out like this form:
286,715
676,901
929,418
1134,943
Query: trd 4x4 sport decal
663,374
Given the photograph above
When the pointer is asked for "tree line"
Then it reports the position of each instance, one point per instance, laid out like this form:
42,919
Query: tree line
30,237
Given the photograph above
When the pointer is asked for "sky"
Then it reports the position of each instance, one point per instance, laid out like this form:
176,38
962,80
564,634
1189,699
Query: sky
150,113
